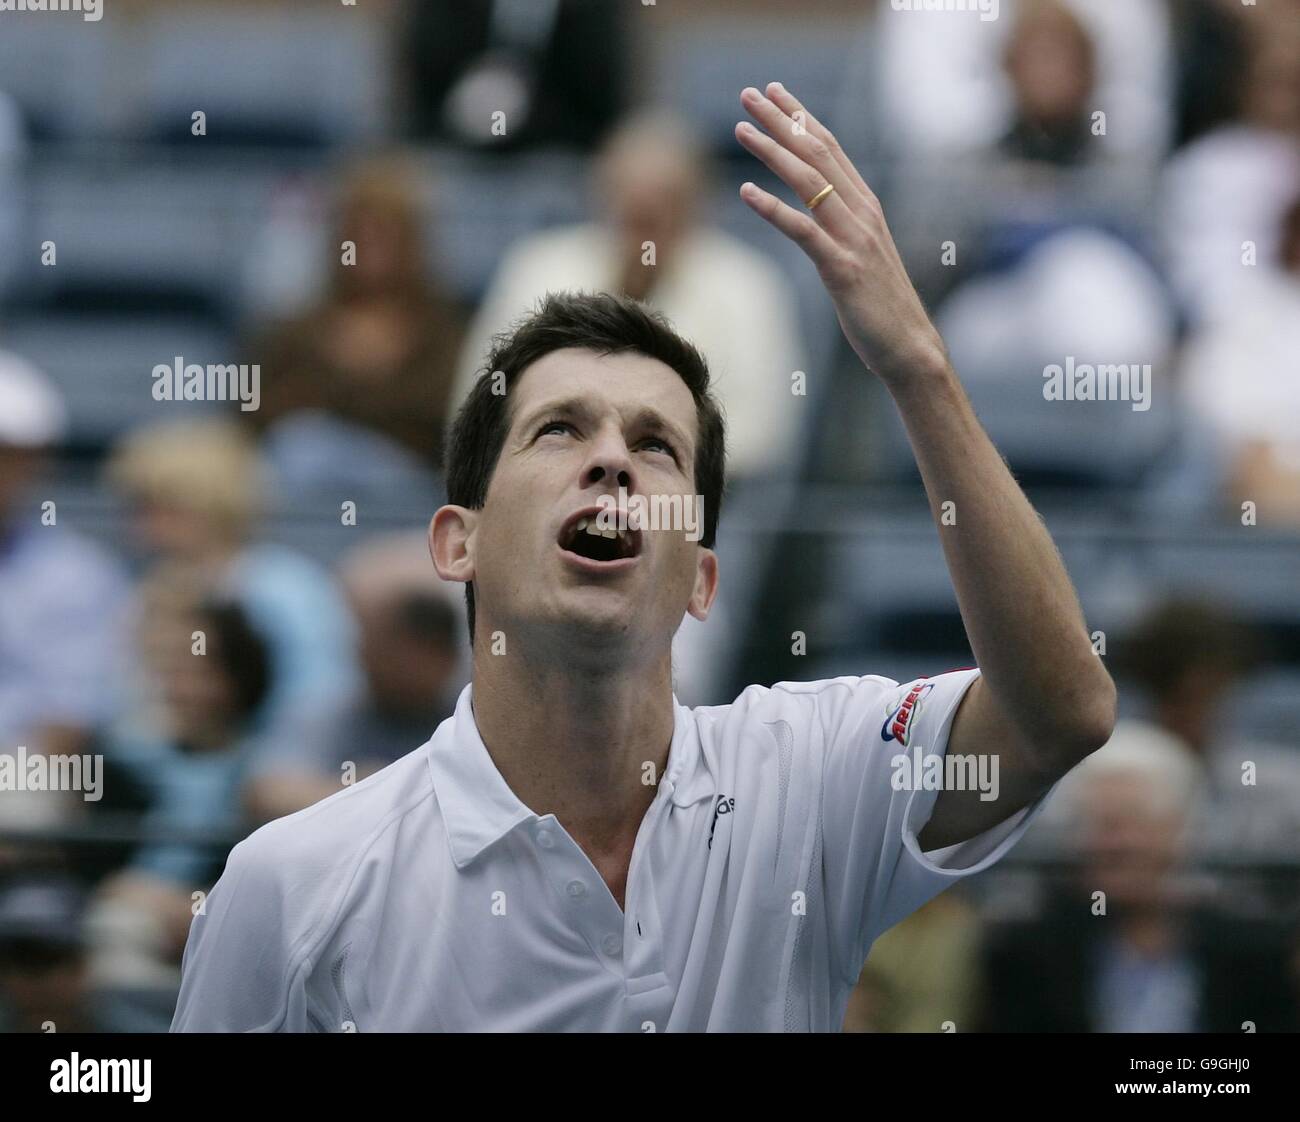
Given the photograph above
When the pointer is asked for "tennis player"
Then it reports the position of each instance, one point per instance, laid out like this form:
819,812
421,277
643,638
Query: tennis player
573,849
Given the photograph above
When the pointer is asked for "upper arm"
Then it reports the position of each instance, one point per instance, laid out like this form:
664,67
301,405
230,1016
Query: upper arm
884,761
981,730
236,974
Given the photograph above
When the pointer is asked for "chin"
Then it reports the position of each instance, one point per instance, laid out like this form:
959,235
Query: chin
594,620
612,620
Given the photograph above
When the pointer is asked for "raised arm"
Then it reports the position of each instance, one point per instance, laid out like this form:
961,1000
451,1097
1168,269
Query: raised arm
1043,701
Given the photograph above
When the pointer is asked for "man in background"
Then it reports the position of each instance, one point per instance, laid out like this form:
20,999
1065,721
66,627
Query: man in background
652,242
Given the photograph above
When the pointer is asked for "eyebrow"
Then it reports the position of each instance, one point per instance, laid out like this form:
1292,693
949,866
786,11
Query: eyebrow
577,408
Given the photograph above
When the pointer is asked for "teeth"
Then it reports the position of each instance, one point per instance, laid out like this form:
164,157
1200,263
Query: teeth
589,526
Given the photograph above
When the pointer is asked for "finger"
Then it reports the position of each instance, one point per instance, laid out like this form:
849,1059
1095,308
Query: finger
796,225
832,212
790,105
795,138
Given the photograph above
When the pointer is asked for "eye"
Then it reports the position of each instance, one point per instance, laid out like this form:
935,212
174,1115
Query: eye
655,441
551,426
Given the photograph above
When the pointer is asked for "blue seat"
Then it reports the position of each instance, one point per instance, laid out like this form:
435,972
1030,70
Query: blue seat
301,77
61,71
104,365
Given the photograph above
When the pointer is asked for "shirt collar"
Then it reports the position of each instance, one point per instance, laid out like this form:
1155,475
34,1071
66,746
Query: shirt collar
479,808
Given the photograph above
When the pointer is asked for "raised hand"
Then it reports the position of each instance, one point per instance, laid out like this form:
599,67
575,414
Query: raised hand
844,234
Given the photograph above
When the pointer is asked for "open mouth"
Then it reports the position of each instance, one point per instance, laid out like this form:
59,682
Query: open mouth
582,535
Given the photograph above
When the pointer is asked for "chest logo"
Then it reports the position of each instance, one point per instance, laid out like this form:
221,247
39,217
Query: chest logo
723,805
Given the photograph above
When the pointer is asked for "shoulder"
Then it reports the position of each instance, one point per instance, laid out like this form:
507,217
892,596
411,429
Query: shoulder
804,708
835,711
794,698
304,866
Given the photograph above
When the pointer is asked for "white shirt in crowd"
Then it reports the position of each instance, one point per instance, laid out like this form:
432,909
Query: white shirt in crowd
428,897
730,300
1239,372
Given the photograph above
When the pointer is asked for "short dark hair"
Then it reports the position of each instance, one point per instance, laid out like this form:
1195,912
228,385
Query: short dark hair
1181,635
600,322
241,652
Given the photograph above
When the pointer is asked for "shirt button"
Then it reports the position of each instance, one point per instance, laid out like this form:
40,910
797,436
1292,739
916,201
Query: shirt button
576,888
545,839
613,945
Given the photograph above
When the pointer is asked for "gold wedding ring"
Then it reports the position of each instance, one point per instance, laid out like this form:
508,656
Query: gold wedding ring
815,201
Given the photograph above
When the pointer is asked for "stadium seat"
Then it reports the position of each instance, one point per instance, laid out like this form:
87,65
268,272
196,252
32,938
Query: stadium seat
304,77
81,103
104,365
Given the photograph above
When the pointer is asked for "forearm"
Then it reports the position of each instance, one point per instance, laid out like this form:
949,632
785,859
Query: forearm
1044,693
1020,610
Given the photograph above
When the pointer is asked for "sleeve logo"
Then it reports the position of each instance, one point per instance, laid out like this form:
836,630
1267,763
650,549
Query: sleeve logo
898,724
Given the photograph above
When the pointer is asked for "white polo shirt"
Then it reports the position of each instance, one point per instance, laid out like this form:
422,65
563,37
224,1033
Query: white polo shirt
428,897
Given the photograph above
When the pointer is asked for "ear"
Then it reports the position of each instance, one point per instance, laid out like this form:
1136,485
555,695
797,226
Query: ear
706,585
451,542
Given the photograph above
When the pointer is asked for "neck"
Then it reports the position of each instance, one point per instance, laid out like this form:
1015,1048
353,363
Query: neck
587,745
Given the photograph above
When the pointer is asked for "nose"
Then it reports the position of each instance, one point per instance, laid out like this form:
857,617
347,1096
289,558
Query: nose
608,460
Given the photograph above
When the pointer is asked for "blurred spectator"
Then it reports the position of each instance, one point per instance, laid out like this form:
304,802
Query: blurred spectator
922,973
376,354
931,83
1050,60
412,654
62,612
1189,662
182,768
1078,297
652,243
44,973
1229,188
1062,98
1241,384
181,774
554,68
1212,53
196,489
1127,948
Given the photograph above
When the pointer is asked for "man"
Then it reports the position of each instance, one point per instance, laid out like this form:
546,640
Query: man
651,239
574,851
1164,955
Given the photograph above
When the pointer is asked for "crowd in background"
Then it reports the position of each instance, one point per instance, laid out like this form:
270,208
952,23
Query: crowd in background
234,608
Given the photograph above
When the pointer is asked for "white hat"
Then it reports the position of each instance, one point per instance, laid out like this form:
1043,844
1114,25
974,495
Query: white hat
32,413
